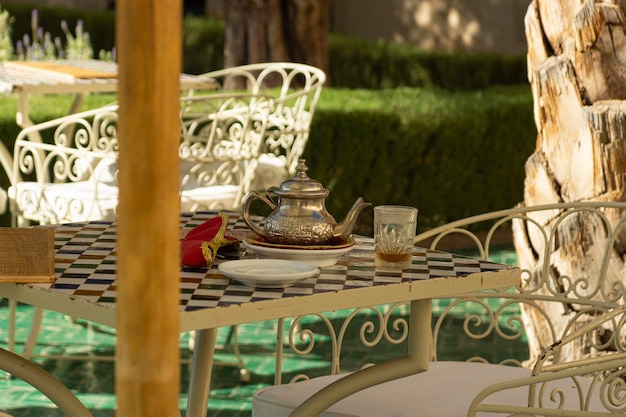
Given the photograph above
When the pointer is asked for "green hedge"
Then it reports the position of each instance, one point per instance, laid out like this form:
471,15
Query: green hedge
449,154
356,63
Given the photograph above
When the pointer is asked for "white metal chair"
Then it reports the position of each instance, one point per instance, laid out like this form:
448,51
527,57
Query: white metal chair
70,176
580,370
64,178
296,89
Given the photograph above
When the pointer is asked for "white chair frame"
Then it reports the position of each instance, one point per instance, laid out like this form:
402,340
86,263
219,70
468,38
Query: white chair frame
71,176
57,179
45,383
296,89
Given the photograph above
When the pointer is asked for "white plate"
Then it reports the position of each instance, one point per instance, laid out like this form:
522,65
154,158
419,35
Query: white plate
267,273
314,256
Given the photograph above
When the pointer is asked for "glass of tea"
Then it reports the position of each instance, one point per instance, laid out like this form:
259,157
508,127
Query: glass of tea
394,232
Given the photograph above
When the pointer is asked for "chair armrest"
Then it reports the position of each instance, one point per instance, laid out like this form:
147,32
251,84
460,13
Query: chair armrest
605,334
44,382
585,387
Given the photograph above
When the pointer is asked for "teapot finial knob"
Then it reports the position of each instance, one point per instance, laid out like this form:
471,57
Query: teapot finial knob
301,169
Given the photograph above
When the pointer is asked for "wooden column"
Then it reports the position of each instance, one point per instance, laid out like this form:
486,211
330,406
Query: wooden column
147,369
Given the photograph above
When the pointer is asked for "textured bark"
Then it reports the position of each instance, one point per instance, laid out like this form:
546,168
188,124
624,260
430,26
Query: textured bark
277,30
577,73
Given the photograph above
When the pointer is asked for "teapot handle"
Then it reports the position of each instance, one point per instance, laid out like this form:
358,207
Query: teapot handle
245,210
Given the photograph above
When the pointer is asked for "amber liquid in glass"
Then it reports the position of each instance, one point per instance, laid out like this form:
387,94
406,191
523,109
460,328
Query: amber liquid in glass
395,261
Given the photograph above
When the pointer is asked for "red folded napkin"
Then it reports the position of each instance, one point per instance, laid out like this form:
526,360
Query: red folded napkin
199,247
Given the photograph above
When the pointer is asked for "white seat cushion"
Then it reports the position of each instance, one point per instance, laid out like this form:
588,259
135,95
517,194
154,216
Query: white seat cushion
208,198
106,171
445,390
271,171
65,202
74,202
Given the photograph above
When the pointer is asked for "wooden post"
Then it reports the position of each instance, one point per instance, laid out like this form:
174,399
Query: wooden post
147,368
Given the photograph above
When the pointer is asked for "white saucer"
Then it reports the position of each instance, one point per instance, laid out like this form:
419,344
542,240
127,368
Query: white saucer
267,273
319,256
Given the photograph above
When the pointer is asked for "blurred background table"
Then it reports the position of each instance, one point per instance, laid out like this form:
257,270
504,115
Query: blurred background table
77,77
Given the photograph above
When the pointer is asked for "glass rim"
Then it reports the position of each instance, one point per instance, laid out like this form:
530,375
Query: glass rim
392,207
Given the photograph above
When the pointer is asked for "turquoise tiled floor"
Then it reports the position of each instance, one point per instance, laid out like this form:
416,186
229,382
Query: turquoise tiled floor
93,380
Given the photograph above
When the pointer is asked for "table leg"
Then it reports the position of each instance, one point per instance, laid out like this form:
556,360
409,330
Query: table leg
35,325
201,367
420,333
22,117
12,322
415,362
77,103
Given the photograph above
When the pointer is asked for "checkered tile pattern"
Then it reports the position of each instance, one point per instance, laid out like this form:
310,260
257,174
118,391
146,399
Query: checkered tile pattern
85,267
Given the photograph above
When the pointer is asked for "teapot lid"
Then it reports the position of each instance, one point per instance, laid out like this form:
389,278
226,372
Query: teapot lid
301,185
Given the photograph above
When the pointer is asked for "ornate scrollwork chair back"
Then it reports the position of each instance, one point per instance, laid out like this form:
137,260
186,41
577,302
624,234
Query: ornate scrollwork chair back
569,273
61,169
65,170
296,89
221,138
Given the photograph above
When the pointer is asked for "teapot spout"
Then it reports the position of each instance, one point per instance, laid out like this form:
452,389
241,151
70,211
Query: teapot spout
343,230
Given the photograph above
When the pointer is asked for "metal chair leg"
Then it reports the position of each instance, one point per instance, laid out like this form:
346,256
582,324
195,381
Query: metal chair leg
36,376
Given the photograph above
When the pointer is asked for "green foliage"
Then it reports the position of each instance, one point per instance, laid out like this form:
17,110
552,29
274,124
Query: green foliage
203,45
39,44
357,63
449,154
6,45
79,46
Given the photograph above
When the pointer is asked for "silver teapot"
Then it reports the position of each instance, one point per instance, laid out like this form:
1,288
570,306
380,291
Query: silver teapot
300,216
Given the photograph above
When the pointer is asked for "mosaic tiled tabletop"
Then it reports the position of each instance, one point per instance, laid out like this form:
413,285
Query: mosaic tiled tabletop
85,267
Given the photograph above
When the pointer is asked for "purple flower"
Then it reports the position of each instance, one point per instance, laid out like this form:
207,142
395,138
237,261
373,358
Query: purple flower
34,19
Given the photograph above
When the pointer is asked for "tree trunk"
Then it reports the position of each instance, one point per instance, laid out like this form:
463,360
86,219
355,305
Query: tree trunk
577,73
277,30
